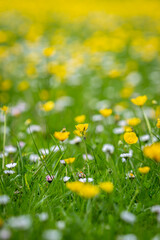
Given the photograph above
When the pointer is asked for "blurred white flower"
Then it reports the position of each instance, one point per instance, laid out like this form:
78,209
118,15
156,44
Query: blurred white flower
128,217
43,216
9,171
89,156
10,149
52,234
144,138
97,117
119,130
4,199
66,179
23,222
11,165
60,225
34,157
33,128
99,128
108,148
5,234
86,180
75,140
127,237
127,155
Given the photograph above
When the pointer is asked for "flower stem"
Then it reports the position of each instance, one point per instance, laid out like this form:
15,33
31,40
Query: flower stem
147,124
4,140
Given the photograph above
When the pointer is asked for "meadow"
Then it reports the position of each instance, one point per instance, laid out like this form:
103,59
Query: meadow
80,120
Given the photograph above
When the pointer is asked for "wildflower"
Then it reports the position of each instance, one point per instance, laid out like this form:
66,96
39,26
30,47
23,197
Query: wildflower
130,175
84,180
76,140
61,225
48,106
105,112
99,128
22,86
43,216
61,136
66,179
108,148
81,175
139,101
69,160
9,172
97,117
106,186
11,165
158,123
33,128
6,85
34,157
144,138
153,151
118,130
133,121
49,178
4,199
78,133
10,149
127,155
82,128
128,217
22,222
28,122
144,170
88,157
4,109
48,51
52,234
74,186
80,119
5,234
88,191
130,137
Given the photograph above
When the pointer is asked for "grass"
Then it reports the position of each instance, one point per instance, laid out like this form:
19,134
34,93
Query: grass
92,66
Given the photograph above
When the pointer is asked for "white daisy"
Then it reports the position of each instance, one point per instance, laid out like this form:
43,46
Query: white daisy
128,217
11,165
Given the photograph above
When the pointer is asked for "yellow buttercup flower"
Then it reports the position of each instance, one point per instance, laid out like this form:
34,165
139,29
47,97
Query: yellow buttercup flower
106,186
28,121
88,191
69,160
77,132
158,123
144,170
80,119
133,121
74,186
48,106
61,136
82,128
48,51
153,151
105,112
130,137
128,129
85,190
4,108
22,86
6,85
139,101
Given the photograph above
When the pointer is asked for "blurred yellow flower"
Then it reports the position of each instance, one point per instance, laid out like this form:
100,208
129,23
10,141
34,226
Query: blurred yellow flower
28,121
48,106
80,118
61,136
77,132
48,51
139,101
69,160
144,170
88,191
82,128
153,151
22,86
126,92
133,121
6,85
105,112
74,186
4,108
130,137
44,95
158,123
106,186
